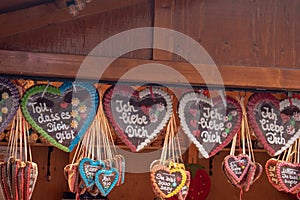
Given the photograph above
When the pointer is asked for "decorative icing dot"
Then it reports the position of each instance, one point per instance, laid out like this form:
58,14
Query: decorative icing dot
174,184
5,95
4,110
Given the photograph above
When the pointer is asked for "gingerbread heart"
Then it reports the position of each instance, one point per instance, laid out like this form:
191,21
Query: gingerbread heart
258,171
72,176
237,167
288,176
200,186
9,102
166,182
270,169
248,178
88,169
208,123
183,193
276,123
137,116
106,180
31,175
61,115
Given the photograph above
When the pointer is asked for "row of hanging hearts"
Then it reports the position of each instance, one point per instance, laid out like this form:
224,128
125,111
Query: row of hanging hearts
63,115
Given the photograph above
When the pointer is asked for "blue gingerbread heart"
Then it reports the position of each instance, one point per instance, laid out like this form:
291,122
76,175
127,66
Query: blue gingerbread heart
88,169
106,180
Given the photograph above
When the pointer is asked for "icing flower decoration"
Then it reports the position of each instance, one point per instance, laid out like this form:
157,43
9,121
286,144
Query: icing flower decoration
224,134
296,116
290,130
229,125
75,102
5,95
234,113
225,119
82,108
74,124
153,118
160,107
0,118
4,110
74,113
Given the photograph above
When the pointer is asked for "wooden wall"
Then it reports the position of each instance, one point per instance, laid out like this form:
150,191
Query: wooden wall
257,33
80,35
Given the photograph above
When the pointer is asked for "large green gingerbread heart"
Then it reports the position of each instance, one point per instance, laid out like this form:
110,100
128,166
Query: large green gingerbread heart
61,115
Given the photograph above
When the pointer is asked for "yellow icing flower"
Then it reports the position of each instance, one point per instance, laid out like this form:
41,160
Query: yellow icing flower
82,109
74,124
74,113
5,95
4,110
75,102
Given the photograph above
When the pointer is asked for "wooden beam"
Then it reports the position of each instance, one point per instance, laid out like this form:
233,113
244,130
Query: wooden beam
135,70
50,13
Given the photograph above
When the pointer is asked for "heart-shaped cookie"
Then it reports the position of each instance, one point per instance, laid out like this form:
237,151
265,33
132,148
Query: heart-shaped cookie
288,176
137,116
208,123
88,169
270,168
106,180
166,182
31,175
183,193
9,102
248,178
200,186
276,123
72,176
236,167
258,172
61,115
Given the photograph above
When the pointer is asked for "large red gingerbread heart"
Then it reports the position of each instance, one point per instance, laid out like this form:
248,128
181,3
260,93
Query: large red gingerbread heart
137,116
276,123
207,122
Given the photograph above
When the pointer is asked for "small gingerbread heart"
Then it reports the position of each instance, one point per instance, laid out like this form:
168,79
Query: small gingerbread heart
106,180
288,176
166,182
270,169
88,169
237,167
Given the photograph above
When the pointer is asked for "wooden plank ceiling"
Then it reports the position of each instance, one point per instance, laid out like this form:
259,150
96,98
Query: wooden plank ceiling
244,38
